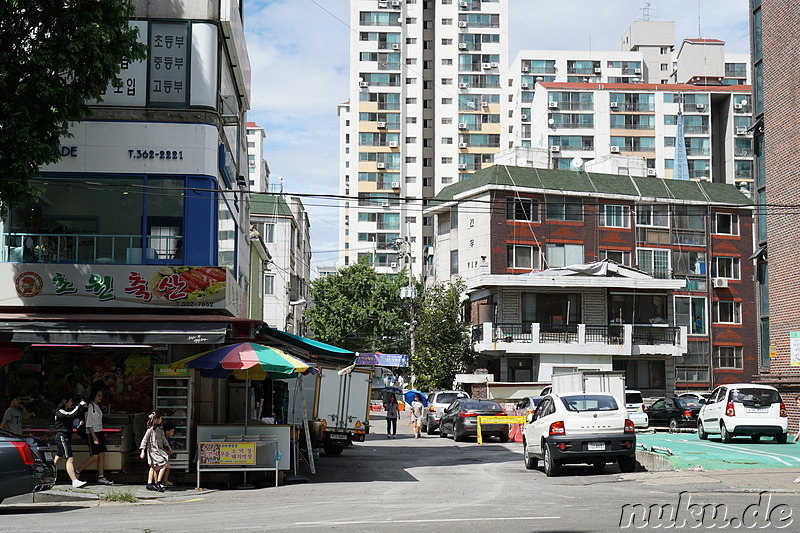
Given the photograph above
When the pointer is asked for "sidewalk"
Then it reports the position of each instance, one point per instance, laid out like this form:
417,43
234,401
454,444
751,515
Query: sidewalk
63,492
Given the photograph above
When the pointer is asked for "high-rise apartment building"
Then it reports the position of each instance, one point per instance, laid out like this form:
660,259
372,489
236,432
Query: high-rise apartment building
257,168
425,109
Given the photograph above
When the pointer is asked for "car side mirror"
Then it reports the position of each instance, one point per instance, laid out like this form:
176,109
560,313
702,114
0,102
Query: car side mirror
529,418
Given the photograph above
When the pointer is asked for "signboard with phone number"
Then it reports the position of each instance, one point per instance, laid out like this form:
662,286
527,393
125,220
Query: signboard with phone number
227,453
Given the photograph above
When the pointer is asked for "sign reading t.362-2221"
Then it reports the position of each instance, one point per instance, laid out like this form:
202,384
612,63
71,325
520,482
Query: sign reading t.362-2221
155,154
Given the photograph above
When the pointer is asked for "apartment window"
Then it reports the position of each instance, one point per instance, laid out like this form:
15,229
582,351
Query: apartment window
427,161
268,232
446,42
269,284
727,312
412,100
411,220
446,2
728,357
447,62
447,160
522,256
447,180
564,208
411,40
447,140
726,267
411,140
615,216
665,50
411,120
690,311
447,120
453,262
652,215
447,22
447,81
411,61
411,179
411,20
693,366
427,221
664,66
620,257
411,159
427,84
559,255
726,224
525,209
411,81
447,101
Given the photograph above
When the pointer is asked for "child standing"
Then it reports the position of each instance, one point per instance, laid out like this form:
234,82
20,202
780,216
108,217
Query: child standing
65,414
153,446
169,432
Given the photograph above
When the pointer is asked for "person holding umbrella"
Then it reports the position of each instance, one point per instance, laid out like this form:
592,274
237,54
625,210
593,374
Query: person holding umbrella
417,408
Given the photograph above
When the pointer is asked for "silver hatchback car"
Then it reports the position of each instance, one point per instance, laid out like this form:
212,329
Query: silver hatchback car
437,401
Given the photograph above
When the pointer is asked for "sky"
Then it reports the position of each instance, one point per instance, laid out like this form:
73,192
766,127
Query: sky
300,64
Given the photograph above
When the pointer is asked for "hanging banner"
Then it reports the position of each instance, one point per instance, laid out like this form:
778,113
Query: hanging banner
794,348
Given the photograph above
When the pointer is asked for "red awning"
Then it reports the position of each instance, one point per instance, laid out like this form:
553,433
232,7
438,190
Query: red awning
10,354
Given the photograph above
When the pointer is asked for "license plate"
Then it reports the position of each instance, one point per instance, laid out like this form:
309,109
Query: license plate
596,446
753,410
338,436
48,456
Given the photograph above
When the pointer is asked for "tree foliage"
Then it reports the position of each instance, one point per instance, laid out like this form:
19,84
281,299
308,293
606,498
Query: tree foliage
54,58
443,347
359,310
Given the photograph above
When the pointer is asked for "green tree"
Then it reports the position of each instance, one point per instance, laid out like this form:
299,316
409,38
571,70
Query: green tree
54,58
443,347
359,309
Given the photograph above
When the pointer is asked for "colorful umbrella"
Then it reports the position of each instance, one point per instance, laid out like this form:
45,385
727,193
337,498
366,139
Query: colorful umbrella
246,360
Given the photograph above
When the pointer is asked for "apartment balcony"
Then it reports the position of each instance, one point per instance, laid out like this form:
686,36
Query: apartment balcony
88,248
538,338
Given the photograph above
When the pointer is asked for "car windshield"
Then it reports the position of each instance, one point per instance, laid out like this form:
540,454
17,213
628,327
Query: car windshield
633,397
689,402
754,396
589,402
481,406
449,397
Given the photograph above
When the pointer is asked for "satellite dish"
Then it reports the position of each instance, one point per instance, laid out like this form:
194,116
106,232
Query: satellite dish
743,102
576,163
551,121
539,78
522,162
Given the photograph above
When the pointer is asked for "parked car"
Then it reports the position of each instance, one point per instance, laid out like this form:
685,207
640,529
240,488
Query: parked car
589,428
437,401
460,419
635,405
674,412
26,465
527,405
744,409
701,396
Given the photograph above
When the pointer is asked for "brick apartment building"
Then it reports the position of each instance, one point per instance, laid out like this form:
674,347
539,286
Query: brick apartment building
672,305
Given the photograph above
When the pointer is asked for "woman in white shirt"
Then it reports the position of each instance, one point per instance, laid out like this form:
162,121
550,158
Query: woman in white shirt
95,438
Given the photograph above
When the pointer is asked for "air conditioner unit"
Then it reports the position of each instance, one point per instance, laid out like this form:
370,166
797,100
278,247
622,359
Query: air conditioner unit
523,117
395,185
462,125
463,4
462,166
393,144
363,84
526,69
383,3
552,105
614,105
393,265
495,65
524,85
486,65
462,46
637,71
700,106
463,85
396,3
741,131
598,70
651,172
381,165
719,283
386,204
462,23
738,106
395,46
462,145
555,148
381,125
484,103
615,149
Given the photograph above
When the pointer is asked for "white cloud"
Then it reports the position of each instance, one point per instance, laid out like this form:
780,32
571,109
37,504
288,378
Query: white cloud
299,53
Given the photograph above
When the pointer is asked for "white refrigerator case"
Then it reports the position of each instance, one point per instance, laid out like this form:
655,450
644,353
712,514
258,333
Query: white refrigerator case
172,396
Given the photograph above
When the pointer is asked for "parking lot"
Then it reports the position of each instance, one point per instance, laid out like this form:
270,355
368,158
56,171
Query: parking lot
689,451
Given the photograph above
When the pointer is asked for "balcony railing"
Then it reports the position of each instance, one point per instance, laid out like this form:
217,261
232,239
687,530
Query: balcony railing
88,248
638,334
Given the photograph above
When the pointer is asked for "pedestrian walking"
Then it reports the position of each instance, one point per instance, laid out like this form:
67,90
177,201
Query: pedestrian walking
65,416
95,437
417,408
392,412
152,447
397,380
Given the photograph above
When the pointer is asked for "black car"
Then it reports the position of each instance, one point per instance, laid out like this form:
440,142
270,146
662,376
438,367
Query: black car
26,465
460,419
674,412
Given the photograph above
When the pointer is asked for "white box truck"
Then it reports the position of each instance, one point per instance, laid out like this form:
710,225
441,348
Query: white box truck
590,381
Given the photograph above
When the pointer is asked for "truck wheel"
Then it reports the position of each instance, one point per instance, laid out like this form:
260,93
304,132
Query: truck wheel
780,438
700,431
552,467
332,449
429,430
627,464
530,461
724,433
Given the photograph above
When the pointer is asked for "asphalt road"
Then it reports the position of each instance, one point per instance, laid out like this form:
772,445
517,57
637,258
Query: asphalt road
436,485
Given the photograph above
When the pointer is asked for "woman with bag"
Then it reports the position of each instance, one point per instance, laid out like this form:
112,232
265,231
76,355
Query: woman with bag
65,415
392,412
152,446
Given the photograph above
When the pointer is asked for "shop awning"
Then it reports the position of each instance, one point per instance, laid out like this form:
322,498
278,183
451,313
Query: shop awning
54,332
305,347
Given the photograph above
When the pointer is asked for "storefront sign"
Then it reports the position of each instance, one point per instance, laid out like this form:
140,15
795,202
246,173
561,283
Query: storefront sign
69,285
227,453
169,61
132,76
794,348
166,371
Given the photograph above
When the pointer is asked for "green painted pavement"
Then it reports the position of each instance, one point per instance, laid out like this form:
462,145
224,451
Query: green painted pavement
712,454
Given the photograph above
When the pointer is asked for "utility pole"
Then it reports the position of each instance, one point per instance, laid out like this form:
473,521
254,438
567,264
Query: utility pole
409,292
